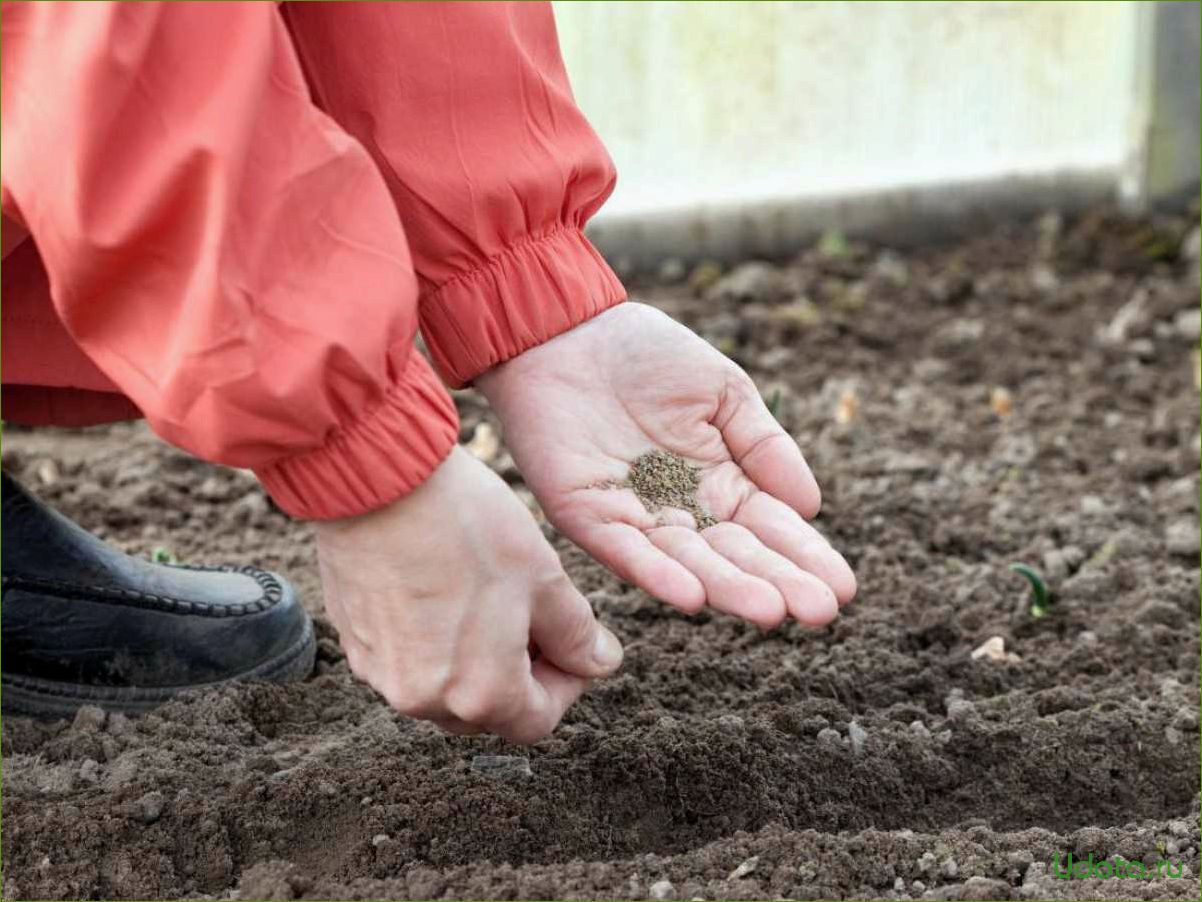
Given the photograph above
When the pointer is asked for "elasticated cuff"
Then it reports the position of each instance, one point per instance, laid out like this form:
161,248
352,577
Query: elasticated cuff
375,460
515,301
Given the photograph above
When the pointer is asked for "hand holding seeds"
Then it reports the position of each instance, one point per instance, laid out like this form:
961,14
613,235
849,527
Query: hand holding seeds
645,446
656,454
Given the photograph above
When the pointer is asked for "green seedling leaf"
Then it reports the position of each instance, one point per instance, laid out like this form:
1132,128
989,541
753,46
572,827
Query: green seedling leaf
163,555
1041,598
774,404
833,243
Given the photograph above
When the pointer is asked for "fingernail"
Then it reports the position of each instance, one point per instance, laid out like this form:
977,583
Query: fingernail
607,651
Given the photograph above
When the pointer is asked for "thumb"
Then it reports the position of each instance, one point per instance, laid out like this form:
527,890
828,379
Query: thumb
568,635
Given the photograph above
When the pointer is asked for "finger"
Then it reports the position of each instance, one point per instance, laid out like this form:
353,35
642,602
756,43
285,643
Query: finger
765,452
566,632
807,598
780,528
549,692
628,552
727,588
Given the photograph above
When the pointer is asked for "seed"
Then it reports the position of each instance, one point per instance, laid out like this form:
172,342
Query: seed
662,479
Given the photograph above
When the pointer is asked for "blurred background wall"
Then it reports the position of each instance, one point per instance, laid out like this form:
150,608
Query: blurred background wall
746,127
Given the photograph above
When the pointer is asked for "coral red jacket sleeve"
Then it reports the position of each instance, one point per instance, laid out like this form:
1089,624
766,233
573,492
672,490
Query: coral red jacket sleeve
467,110
222,250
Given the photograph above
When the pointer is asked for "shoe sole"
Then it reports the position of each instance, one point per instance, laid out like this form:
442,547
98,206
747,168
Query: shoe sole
32,697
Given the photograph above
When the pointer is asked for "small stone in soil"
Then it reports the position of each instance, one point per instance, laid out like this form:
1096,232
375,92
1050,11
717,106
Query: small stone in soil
662,889
747,867
993,649
662,479
502,765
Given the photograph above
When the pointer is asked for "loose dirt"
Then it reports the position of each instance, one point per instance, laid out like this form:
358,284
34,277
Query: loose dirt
874,758
663,479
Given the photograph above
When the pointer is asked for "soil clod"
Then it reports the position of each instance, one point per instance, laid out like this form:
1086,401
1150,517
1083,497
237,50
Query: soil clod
718,742
150,807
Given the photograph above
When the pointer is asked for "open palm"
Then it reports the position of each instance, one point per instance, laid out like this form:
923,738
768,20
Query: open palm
581,408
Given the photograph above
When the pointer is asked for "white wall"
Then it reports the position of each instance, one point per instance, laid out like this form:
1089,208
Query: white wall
705,104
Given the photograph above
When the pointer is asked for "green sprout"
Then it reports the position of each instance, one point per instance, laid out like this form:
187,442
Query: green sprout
773,404
1041,598
833,243
163,555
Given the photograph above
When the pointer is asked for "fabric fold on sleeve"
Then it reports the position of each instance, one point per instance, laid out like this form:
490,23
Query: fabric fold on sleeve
221,249
384,455
515,301
468,112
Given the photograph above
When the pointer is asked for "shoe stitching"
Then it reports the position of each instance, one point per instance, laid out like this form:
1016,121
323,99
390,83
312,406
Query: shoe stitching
273,592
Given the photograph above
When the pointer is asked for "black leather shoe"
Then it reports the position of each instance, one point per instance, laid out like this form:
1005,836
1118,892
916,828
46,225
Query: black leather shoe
84,624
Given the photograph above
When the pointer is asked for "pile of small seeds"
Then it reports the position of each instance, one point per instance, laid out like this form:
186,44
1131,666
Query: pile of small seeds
663,479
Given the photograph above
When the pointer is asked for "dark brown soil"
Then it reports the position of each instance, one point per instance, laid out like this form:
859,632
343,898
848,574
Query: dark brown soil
874,758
